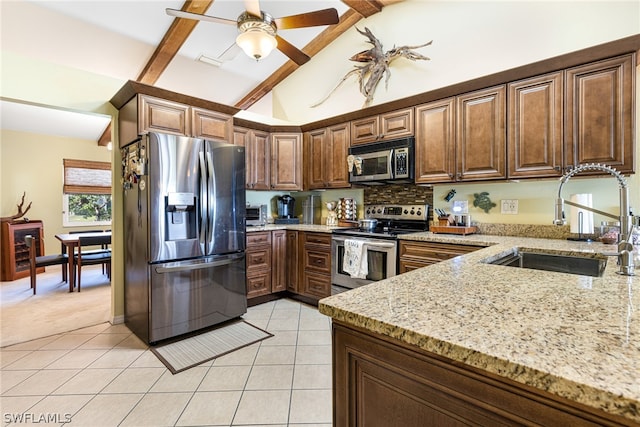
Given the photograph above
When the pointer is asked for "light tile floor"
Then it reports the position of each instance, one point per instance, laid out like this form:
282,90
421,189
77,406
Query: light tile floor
105,376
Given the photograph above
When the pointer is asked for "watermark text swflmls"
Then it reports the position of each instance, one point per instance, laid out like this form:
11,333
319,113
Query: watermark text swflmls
31,417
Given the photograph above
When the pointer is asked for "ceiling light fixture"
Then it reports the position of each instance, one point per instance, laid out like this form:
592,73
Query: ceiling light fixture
257,35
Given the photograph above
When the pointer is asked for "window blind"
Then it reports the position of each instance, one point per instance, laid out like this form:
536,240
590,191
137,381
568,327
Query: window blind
86,177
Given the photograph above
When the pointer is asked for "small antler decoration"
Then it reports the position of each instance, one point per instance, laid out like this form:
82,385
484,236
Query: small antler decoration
20,213
376,65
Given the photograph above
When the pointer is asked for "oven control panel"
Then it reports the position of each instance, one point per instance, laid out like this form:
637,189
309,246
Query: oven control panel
415,212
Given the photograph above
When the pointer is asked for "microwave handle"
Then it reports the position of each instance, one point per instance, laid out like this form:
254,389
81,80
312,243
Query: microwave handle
392,163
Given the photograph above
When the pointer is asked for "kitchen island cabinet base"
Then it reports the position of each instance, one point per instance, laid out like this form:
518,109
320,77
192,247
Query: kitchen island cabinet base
380,382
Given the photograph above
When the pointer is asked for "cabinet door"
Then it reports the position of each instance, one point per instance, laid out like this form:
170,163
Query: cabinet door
292,261
163,116
481,135
335,157
240,136
286,161
600,112
211,125
396,124
314,158
280,260
535,127
365,130
435,142
258,161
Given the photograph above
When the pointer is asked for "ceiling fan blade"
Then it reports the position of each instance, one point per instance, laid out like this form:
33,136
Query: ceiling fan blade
295,54
309,19
253,7
189,15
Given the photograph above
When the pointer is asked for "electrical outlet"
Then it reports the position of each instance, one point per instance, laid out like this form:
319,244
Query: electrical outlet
509,207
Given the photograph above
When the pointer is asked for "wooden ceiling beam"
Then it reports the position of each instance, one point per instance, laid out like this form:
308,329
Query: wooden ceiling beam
172,41
366,8
105,138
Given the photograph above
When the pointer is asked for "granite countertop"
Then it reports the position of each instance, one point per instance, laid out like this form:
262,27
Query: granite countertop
296,227
574,336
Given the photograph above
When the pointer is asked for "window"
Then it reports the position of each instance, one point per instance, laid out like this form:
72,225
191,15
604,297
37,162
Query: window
87,193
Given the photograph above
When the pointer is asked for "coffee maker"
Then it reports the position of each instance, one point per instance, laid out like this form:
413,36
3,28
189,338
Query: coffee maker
286,214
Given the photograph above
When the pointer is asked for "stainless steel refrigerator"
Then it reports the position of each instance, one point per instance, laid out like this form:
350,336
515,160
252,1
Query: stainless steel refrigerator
184,232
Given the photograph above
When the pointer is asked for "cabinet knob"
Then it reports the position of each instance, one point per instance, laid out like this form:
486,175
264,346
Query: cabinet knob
459,176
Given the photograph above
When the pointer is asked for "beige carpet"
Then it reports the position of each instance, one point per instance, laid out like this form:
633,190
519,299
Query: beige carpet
53,310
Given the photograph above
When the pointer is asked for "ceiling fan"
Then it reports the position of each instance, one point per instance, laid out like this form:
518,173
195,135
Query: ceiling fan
258,30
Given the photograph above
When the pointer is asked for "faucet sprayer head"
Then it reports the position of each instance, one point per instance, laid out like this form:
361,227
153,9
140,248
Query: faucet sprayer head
559,220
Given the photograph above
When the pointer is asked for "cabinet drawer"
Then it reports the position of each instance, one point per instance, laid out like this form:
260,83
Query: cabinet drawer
258,239
423,251
318,239
409,265
259,284
316,285
317,261
258,259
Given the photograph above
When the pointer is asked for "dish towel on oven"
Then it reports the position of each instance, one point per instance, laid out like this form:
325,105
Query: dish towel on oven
354,261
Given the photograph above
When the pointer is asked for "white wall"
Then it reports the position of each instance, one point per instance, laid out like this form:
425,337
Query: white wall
32,163
470,39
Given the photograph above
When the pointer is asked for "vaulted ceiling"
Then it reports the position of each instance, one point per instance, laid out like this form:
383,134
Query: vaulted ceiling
137,40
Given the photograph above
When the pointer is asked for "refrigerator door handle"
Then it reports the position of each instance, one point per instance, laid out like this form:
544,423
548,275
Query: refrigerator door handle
211,205
204,202
196,266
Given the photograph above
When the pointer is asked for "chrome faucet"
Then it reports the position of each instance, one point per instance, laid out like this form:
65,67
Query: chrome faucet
625,248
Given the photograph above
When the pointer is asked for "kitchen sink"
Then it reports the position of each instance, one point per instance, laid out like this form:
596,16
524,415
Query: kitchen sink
592,265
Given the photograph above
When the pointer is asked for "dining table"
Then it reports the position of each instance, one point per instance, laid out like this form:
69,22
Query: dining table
71,241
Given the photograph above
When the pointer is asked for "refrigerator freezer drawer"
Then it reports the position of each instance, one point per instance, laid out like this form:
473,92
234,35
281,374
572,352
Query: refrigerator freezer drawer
191,295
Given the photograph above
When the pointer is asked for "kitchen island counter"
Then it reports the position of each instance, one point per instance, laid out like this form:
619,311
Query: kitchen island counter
573,336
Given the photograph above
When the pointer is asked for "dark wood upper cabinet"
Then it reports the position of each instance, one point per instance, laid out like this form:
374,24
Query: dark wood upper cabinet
211,125
534,129
435,142
325,157
258,161
163,116
286,161
481,135
600,113
382,127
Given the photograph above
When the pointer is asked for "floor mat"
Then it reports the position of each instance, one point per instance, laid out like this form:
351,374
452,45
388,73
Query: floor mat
196,349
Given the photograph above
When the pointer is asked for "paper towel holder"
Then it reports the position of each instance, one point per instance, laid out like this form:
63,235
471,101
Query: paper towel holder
581,237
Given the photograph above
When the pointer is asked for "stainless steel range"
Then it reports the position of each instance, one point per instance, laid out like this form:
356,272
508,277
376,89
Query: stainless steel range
379,243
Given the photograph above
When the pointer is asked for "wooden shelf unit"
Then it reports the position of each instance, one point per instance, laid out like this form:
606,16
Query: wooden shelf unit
15,254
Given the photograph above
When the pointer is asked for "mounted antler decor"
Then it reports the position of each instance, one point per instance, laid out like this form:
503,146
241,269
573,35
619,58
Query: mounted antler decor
376,65
20,213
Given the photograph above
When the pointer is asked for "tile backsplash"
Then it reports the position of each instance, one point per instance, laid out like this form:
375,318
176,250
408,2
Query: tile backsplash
402,194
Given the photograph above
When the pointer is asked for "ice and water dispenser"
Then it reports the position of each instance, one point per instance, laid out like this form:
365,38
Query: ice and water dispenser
181,220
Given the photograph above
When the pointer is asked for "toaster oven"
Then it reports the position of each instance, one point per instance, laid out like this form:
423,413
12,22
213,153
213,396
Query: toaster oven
256,215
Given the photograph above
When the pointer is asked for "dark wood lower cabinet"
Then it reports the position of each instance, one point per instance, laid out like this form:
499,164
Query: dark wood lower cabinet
380,382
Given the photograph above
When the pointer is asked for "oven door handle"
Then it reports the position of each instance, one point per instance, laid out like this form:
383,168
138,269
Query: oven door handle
369,243
380,245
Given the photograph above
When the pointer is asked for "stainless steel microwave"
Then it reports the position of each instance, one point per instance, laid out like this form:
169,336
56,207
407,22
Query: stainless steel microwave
256,215
380,162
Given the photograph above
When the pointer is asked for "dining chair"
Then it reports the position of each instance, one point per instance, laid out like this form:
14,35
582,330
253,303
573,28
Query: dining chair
36,261
100,249
92,257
